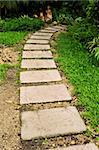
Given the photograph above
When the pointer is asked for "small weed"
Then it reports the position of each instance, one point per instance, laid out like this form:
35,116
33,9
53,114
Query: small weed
3,70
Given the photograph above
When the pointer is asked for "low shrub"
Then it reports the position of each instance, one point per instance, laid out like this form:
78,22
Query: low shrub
86,33
83,31
93,46
63,16
21,24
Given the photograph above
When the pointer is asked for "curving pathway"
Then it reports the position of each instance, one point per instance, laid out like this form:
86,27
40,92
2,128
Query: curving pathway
41,83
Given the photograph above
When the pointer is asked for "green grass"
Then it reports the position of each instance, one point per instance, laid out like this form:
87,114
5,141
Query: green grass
23,23
78,67
3,70
11,38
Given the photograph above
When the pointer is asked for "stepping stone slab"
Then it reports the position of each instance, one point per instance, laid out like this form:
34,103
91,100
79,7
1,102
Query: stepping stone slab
48,31
51,122
36,47
43,34
90,146
52,29
59,27
40,37
30,41
39,76
38,63
37,54
44,93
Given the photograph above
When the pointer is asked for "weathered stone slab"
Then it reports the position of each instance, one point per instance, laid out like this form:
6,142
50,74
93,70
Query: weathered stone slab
44,93
31,41
36,47
39,76
48,31
43,34
51,122
52,29
37,54
59,27
89,146
40,37
38,63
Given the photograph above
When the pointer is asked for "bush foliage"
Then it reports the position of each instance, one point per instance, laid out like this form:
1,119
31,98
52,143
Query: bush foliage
21,24
83,31
83,21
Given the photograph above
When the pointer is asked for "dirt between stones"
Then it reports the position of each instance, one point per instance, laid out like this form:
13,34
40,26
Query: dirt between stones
9,114
8,55
10,121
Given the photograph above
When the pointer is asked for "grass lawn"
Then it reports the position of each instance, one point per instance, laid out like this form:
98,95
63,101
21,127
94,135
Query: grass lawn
11,38
75,62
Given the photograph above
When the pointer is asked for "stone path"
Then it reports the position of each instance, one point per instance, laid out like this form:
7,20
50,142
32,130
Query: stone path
51,122
38,63
90,146
37,54
40,68
44,93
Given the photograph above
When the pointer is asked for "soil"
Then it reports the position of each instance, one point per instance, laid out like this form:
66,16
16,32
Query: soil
9,113
8,55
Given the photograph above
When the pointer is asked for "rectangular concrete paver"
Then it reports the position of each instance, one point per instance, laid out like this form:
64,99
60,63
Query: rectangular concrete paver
40,37
43,34
37,54
38,63
39,76
89,146
37,41
44,93
51,122
36,47
59,27
52,29
48,31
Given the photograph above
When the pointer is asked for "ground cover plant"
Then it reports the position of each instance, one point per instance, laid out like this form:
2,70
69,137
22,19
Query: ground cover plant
76,63
11,38
3,70
13,31
83,22
23,23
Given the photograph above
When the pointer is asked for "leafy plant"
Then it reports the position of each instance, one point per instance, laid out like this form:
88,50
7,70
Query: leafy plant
94,47
21,24
65,18
79,19
3,71
76,63
83,31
